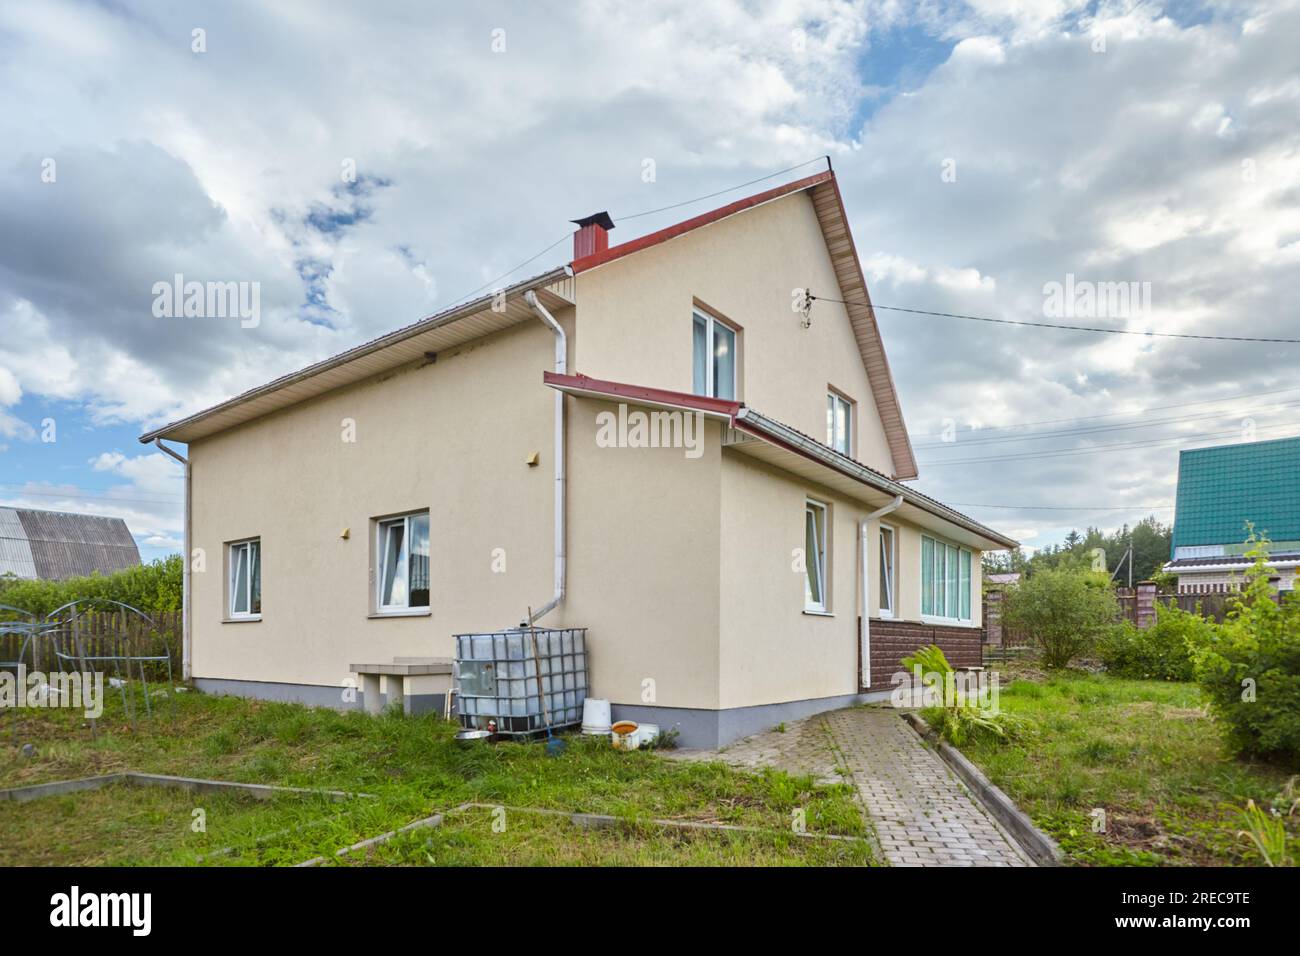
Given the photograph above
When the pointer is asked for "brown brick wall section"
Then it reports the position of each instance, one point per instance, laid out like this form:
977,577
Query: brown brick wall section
891,641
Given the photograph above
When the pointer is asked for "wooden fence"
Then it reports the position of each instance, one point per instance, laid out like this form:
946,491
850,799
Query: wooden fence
108,634
996,633
1136,605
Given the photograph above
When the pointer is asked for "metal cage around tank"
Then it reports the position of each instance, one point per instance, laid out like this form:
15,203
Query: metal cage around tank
498,673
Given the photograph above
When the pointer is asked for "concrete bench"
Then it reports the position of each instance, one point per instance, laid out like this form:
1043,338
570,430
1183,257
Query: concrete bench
408,678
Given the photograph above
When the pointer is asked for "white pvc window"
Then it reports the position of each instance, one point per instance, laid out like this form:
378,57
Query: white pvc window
887,555
714,348
945,581
839,423
814,592
245,586
402,550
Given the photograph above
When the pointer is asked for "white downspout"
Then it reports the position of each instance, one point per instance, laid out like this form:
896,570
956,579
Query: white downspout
866,593
561,367
186,631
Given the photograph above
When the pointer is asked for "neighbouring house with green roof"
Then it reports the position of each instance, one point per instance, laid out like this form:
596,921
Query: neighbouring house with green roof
1220,490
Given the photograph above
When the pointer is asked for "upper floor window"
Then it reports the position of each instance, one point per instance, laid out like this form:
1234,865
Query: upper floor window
945,581
839,423
715,357
402,550
245,587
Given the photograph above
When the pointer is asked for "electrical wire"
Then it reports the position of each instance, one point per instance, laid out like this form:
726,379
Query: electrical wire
720,192
972,504
1140,411
1100,449
1070,433
1069,328
649,212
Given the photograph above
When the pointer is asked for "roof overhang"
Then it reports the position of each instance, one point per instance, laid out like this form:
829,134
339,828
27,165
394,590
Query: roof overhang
1231,567
454,326
776,444
824,192
587,387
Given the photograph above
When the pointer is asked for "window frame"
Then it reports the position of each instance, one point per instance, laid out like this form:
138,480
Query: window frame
710,385
835,398
379,565
821,560
891,585
248,546
948,584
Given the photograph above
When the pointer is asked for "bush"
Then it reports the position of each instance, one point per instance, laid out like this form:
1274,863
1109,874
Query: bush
1161,652
960,720
1064,613
153,587
1249,667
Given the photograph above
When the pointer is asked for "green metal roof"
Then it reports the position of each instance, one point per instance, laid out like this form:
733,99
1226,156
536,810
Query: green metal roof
1220,489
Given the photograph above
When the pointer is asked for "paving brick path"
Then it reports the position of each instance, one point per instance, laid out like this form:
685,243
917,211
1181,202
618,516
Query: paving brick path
923,815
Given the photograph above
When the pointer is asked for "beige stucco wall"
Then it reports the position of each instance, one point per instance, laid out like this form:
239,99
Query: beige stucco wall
745,268
770,649
643,564
452,437
680,566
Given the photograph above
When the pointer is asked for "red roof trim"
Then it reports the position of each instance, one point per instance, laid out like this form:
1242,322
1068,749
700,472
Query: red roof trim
722,407
657,396
672,232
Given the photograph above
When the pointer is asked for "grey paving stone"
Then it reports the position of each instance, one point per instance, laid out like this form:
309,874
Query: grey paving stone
923,815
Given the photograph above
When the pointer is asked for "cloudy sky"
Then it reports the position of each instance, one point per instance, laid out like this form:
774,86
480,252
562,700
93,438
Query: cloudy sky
984,151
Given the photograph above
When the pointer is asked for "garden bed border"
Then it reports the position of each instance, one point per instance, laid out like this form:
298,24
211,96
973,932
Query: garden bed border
1042,849
260,791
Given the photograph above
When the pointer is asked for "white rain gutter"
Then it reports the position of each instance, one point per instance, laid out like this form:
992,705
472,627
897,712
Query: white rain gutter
561,368
186,632
866,594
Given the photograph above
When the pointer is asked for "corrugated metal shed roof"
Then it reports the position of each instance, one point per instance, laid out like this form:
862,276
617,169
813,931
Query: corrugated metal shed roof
15,551
1221,488
53,545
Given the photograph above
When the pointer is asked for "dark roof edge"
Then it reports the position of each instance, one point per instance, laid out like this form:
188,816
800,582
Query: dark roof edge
446,317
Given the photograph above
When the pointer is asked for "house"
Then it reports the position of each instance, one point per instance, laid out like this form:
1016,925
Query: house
52,545
1220,490
666,441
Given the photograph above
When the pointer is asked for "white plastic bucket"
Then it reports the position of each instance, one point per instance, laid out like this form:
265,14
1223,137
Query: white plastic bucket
595,716
646,734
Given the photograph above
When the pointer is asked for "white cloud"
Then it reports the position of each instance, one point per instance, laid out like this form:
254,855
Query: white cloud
1171,158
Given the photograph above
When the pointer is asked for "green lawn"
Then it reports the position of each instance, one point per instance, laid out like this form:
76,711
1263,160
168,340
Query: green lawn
414,768
1147,753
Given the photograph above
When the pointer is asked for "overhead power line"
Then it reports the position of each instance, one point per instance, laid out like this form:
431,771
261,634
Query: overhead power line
1068,328
492,283
80,497
721,192
1086,328
1140,411
1121,507
1070,433
1101,449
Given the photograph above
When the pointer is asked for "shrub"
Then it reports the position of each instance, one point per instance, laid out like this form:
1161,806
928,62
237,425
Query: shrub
151,587
1064,613
1161,652
1249,667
